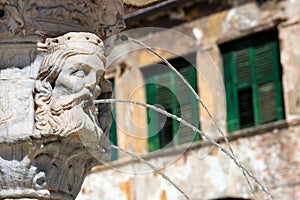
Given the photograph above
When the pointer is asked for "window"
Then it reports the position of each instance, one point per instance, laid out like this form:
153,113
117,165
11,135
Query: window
113,130
252,81
166,89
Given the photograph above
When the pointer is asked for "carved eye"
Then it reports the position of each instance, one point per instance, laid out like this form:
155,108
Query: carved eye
79,73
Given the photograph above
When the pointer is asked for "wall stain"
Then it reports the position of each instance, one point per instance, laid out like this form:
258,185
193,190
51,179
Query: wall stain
163,195
162,170
126,188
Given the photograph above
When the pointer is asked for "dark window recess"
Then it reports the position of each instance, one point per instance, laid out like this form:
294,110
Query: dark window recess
245,108
166,133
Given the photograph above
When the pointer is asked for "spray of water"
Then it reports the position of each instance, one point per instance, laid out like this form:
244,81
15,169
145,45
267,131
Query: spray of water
208,138
124,38
152,167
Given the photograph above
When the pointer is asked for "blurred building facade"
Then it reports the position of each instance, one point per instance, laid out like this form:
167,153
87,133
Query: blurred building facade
243,59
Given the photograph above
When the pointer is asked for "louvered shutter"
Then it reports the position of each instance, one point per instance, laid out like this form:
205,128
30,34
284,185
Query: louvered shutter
267,102
170,92
187,109
153,125
231,92
242,66
269,81
265,78
161,128
263,59
253,82
244,79
165,96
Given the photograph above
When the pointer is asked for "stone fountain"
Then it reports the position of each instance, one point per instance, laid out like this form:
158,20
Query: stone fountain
51,71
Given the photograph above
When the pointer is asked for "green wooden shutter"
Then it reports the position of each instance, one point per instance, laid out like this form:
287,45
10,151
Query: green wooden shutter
113,130
269,84
153,137
244,80
267,102
242,66
165,97
231,92
166,91
252,81
188,108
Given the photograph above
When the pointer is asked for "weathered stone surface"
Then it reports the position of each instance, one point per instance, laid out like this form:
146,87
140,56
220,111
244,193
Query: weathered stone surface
50,130
290,59
16,101
50,135
17,56
22,20
131,130
273,157
16,109
44,169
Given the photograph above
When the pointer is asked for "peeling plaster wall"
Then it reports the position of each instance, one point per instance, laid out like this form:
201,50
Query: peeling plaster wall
290,59
273,157
211,90
132,124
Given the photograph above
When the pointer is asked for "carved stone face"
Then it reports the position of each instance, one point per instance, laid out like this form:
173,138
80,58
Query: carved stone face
69,80
80,74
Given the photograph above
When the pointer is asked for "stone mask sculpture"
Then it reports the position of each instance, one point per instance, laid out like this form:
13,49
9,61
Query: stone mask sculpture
67,131
71,77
